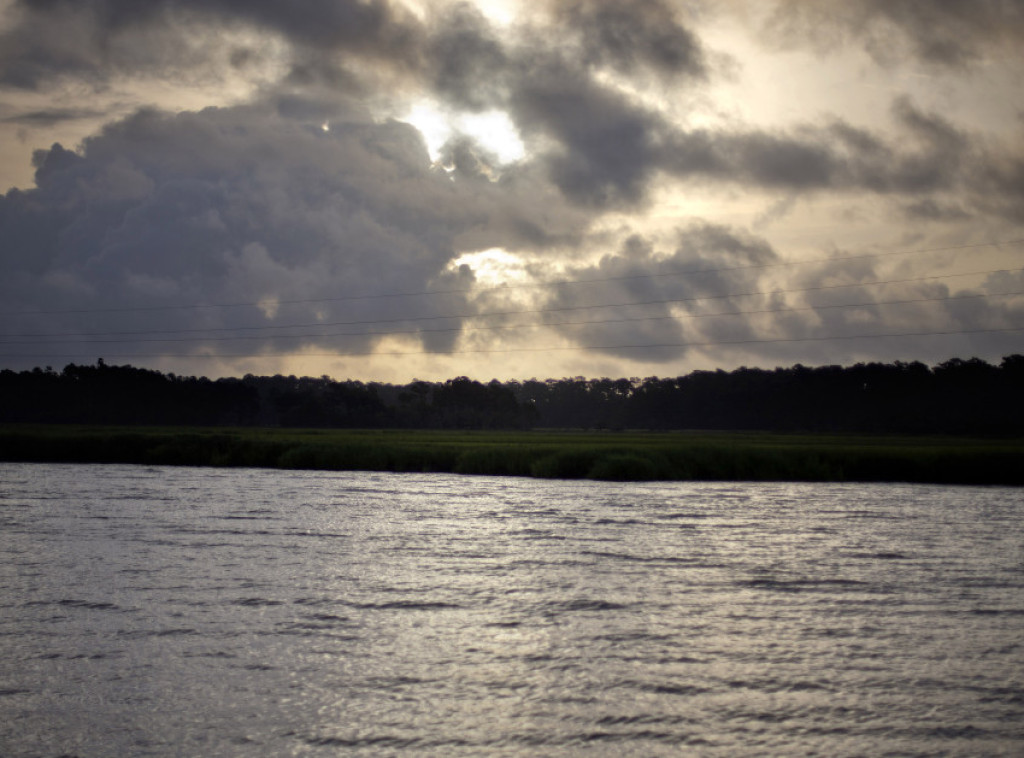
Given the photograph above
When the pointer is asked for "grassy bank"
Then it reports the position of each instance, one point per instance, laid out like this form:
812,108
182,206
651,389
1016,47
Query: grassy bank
625,456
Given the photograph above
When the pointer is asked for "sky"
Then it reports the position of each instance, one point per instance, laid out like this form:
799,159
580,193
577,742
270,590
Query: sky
389,190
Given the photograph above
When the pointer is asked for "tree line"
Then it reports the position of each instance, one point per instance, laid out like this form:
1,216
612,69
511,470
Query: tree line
957,397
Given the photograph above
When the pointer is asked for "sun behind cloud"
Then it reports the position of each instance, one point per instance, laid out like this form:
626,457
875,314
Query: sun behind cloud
494,130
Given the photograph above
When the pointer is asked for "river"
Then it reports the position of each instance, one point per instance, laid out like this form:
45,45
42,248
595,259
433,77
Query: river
228,612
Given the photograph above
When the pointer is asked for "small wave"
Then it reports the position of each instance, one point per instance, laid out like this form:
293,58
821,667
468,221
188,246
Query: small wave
68,603
381,741
233,532
329,617
778,686
79,656
960,732
587,604
670,660
317,535
801,585
635,637
657,688
540,534
406,605
882,556
643,718
256,602
595,736
805,686
313,632
131,633
320,622
315,601
643,558
394,682
880,515
1007,695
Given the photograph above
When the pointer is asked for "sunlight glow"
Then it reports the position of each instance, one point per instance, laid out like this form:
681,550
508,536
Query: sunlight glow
500,12
492,130
495,131
432,124
493,267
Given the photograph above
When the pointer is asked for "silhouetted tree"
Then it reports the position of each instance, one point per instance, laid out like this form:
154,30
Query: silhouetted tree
958,396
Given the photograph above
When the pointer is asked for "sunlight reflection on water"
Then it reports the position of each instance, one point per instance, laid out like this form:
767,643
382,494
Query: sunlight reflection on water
163,611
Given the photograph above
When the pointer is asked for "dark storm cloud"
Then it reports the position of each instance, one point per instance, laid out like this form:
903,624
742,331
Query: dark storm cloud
926,156
810,160
596,143
710,264
632,36
722,291
770,160
245,205
932,210
54,42
847,307
951,33
94,39
51,116
999,186
257,203
603,148
365,25
54,37
467,64
606,145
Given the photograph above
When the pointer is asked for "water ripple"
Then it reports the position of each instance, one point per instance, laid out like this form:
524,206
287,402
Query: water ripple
161,611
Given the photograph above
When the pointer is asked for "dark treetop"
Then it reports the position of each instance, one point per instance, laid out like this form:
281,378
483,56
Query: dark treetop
954,397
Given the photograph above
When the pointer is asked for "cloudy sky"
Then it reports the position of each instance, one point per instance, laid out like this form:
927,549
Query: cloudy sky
390,189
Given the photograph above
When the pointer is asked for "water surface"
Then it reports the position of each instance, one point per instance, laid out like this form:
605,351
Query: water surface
176,611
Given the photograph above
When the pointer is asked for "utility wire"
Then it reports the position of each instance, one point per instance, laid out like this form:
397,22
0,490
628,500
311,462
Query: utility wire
508,327
559,348
528,311
378,296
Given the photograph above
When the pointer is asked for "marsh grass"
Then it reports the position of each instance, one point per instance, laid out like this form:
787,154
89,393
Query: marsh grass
626,456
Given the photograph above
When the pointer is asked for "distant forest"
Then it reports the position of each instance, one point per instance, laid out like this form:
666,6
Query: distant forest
954,397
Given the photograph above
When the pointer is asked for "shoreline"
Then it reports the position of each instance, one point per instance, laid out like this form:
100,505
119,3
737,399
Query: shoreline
550,454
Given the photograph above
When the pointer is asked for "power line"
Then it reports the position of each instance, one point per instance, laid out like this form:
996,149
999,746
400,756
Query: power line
527,311
508,287
508,327
557,348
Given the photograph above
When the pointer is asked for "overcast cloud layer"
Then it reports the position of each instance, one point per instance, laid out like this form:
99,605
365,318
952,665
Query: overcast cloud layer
381,190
